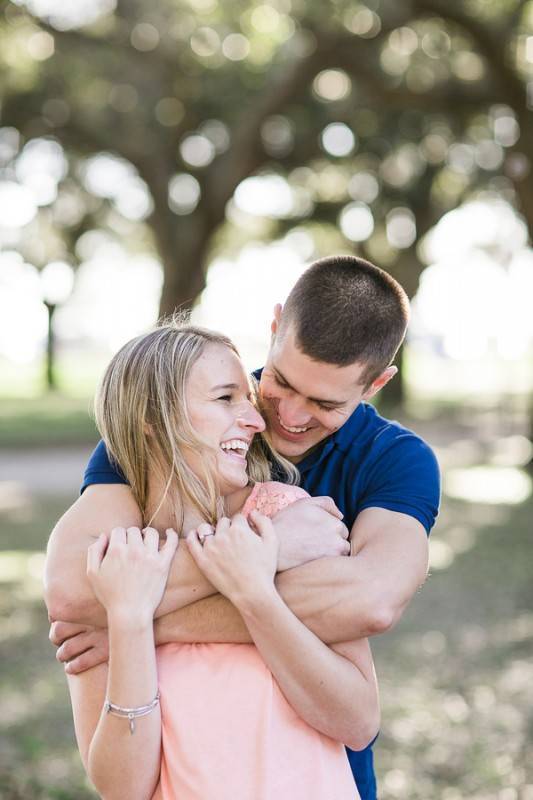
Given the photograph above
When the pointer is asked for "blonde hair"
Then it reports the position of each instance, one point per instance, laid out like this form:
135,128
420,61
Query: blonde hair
142,416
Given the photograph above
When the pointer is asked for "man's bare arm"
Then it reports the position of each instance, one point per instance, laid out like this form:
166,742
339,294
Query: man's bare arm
101,508
339,599
312,529
366,594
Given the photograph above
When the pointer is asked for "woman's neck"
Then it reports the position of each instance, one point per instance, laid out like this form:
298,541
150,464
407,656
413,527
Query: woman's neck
234,502
168,514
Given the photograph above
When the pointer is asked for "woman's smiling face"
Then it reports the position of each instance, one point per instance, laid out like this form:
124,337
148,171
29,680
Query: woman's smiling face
222,412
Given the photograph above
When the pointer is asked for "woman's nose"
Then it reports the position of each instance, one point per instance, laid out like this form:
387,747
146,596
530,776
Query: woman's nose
251,418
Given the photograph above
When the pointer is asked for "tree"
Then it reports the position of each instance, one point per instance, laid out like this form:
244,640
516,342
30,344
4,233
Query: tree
432,94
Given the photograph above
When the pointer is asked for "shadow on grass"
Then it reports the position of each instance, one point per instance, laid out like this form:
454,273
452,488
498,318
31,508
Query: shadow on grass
38,754
456,675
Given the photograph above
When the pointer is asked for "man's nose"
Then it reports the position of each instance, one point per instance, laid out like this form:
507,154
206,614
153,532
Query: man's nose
293,412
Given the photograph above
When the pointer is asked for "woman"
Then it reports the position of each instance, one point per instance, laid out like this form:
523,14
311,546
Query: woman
218,721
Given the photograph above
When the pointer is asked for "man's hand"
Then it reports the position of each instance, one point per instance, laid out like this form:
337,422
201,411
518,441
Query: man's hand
309,529
80,647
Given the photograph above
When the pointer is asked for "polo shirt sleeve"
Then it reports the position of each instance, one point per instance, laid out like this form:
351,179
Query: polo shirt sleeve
101,469
405,477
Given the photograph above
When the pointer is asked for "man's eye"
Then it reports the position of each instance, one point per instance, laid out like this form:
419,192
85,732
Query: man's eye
280,382
326,408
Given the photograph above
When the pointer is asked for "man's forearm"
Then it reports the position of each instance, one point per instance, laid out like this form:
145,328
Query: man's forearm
342,599
69,596
333,597
213,619
316,592
339,599
71,599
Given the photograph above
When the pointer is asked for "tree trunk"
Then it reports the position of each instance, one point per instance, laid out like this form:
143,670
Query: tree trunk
394,393
184,266
182,242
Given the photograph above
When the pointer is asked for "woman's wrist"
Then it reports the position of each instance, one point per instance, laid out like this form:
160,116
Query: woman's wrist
256,600
126,619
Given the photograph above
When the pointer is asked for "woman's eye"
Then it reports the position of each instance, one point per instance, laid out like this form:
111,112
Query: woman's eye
226,397
280,382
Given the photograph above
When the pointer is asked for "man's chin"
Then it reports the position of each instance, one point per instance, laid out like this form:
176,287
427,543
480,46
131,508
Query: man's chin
289,448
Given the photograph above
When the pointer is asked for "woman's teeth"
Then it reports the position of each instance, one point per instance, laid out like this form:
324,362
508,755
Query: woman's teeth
235,444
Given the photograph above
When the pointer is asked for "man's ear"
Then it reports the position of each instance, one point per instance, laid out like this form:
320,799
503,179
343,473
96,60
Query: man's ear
380,382
278,308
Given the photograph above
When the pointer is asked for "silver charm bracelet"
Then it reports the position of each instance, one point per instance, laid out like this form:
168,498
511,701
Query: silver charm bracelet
131,713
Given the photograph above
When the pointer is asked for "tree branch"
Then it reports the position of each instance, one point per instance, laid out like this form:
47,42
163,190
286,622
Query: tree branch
245,155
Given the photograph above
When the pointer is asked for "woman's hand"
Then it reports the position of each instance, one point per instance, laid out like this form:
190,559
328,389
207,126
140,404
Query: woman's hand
239,561
128,572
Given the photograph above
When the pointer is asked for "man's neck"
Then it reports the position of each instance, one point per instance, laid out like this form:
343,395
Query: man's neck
298,459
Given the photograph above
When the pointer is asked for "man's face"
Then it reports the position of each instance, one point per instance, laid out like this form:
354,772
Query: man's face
305,401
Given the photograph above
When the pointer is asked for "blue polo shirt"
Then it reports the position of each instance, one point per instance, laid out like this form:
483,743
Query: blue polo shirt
369,462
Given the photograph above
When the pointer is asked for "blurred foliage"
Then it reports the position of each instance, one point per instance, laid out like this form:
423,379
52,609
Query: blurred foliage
378,117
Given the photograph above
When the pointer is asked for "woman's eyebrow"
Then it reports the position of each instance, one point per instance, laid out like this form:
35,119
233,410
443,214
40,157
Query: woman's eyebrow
224,386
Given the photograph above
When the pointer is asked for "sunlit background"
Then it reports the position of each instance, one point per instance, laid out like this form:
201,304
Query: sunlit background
200,154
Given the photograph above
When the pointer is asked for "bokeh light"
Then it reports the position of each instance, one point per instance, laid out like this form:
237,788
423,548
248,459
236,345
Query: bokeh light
69,15
183,193
197,150
18,205
338,139
332,84
356,222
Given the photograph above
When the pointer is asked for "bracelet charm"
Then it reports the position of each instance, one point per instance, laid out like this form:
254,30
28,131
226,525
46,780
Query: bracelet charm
131,713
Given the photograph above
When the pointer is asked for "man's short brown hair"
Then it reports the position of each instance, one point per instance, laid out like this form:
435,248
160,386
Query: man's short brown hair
345,310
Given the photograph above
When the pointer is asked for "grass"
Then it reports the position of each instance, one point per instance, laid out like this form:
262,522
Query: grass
38,756
48,420
456,675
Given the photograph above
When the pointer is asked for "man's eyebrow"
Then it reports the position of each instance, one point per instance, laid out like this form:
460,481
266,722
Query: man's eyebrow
318,400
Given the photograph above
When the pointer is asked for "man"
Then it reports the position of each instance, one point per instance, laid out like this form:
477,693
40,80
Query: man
332,348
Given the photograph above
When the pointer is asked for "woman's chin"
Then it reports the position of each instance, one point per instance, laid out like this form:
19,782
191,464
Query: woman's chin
232,483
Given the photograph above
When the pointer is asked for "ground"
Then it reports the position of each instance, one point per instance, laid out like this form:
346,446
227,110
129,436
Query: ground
456,675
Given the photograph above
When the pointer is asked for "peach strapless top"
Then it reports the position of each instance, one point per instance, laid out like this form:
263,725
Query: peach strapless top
228,733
